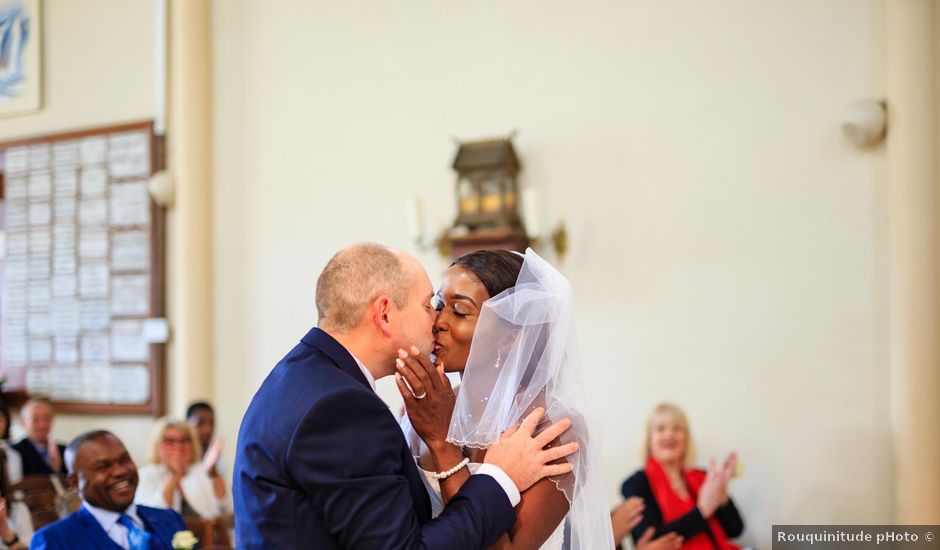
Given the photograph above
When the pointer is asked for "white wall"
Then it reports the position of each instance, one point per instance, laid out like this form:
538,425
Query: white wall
727,247
98,71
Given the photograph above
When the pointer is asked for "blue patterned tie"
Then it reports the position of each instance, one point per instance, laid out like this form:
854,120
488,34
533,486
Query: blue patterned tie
137,538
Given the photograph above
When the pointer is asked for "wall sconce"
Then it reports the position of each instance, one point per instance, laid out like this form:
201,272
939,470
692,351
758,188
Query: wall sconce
161,189
487,206
864,122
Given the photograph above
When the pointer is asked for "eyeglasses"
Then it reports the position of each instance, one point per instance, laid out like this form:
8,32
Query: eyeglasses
176,441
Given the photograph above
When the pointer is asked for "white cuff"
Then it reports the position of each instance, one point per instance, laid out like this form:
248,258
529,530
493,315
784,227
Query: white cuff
500,476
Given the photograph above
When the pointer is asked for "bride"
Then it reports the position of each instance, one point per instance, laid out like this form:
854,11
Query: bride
505,322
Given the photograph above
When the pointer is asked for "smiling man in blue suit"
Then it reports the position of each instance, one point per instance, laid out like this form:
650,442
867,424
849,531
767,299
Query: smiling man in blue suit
321,461
108,519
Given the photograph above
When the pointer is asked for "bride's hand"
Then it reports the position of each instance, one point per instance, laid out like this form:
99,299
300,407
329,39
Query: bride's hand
429,415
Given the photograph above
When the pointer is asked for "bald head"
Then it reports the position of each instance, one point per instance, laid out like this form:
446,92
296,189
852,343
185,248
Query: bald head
357,275
37,416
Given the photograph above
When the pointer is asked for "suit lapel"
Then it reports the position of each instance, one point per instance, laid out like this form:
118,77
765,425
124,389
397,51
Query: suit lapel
155,525
32,457
335,351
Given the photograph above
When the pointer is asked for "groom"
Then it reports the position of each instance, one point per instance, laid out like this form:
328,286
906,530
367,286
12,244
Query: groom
321,461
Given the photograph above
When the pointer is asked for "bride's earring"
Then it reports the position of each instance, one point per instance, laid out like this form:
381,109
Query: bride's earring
499,357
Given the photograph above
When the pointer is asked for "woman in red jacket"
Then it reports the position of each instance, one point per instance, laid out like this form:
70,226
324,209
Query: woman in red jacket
679,499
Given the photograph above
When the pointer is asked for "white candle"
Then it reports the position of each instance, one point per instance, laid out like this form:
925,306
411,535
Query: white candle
414,215
530,212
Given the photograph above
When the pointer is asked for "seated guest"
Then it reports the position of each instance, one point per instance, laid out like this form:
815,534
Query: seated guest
14,462
40,453
201,417
175,478
678,499
106,478
14,538
16,524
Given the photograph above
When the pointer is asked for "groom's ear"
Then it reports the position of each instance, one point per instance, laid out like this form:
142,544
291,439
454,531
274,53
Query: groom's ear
381,310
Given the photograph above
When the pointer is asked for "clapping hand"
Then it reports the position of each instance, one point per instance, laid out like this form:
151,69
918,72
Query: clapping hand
714,491
55,458
626,516
211,458
429,397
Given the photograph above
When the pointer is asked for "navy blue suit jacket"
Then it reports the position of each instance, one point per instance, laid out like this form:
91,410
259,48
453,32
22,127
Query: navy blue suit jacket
33,462
80,529
322,463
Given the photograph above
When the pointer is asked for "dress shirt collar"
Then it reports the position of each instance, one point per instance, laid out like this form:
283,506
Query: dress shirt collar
108,519
365,372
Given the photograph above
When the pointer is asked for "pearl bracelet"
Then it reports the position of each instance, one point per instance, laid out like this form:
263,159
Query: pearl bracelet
446,474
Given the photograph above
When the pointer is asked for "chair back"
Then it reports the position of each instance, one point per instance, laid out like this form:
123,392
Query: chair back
45,497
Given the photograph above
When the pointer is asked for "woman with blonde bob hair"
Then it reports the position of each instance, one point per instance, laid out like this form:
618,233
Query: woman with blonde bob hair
678,498
175,478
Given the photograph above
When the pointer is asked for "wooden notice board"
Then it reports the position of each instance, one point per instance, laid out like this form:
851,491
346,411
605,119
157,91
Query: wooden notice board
83,269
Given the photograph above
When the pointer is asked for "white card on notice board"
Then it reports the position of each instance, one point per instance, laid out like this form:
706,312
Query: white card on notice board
38,295
16,160
66,317
40,185
16,187
64,210
40,323
40,241
17,242
64,383
39,156
40,213
63,261
130,295
63,237
94,181
130,250
127,341
95,348
16,213
96,315
40,350
65,349
65,153
64,285
93,211
93,244
96,382
129,154
65,182
93,280
156,330
37,380
130,204
130,385
14,350
93,150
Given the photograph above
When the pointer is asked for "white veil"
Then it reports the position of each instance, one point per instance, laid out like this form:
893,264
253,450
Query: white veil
524,354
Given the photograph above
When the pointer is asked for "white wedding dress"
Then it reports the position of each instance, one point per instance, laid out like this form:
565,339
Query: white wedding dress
433,487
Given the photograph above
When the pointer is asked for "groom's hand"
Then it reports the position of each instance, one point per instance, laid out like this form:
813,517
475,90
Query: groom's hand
524,457
430,415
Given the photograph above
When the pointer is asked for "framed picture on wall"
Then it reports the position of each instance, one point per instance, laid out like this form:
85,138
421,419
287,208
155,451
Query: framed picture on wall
20,56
